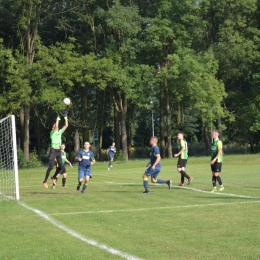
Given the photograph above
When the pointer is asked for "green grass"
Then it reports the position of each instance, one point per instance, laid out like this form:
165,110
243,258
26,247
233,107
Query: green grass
166,224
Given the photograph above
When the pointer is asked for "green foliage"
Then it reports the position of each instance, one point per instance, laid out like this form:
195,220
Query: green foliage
119,156
205,53
33,163
21,160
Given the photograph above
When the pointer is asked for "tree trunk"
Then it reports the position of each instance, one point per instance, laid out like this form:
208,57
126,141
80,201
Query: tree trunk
84,112
123,128
76,141
68,146
26,134
205,133
21,117
38,130
169,123
162,123
117,129
68,149
252,147
101,125
219,128
130,132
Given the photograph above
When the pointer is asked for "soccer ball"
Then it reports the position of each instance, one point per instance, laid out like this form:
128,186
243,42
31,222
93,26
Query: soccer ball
66,101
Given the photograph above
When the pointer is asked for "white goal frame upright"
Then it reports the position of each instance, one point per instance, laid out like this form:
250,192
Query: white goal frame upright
9,182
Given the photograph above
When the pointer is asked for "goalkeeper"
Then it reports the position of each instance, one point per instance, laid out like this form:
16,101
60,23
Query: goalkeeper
55,154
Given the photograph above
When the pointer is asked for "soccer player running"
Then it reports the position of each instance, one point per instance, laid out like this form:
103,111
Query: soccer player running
86,158
59,170
183,158
55,154
111,154
216,160
155,167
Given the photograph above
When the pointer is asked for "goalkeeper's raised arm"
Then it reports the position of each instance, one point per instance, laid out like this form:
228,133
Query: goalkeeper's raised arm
65,114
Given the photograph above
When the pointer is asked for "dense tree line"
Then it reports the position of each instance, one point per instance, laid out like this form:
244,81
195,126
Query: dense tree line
192,65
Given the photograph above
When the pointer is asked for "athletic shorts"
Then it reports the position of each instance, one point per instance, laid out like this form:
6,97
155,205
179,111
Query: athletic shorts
181,163
55,154
84,172
62,171
216,167
153,173
111,155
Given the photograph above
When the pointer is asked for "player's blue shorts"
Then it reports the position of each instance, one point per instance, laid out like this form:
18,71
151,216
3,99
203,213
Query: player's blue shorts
153,173
111,155
84,172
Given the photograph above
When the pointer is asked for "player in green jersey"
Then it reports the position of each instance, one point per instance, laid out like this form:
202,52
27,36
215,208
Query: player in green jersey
216,161
55,154
183,158
59,170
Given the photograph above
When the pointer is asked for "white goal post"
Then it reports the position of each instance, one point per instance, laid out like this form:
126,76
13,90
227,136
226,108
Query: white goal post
9,183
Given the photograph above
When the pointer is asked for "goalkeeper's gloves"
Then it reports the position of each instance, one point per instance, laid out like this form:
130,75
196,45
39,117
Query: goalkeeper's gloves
65,114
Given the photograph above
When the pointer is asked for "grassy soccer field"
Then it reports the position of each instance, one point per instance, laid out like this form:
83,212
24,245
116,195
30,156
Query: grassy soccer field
114,220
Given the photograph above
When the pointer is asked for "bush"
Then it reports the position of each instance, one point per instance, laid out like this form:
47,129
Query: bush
119,156
33,162
21,160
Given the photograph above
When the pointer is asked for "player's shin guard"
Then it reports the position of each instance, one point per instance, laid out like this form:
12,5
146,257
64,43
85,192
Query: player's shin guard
219,180
214,181
183,173
145,181
63,182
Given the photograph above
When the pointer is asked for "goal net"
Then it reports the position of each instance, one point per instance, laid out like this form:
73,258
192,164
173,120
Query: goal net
9,186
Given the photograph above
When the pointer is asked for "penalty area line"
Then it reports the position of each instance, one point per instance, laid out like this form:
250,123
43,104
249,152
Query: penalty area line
79,236
218,193
155,208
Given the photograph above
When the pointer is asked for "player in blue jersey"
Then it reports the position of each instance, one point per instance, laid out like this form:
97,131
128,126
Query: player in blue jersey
155,167
111,154
86,158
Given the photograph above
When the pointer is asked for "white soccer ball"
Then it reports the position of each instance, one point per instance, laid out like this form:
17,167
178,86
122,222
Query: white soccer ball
66,101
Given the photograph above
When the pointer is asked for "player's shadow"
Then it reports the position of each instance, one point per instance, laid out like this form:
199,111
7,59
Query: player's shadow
45,193
118,191
130,185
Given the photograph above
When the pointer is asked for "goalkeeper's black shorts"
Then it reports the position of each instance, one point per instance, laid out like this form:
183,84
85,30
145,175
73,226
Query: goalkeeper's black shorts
55,154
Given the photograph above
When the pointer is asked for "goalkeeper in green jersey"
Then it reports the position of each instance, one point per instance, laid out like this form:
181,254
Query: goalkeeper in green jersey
55,154
216,161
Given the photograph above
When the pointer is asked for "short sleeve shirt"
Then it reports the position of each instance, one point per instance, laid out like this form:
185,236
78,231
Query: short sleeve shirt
112,149
87,158
155,151
56,138
182,143
215,147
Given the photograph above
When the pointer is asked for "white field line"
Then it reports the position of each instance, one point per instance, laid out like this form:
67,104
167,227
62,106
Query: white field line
219,193
79,236
155,208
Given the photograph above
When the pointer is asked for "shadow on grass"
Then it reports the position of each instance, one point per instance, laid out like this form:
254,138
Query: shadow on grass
45,193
